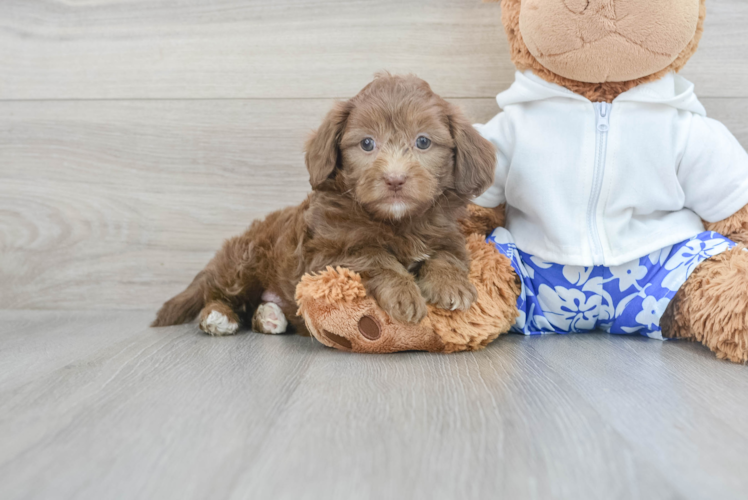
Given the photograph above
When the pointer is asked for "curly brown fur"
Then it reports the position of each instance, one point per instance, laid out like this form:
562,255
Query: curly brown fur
390,214
734,227
712,306
595,92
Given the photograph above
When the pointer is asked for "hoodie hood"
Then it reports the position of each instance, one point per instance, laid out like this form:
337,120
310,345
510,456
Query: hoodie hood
671,90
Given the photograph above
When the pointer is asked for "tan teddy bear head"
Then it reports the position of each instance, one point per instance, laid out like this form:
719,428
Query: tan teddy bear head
602,48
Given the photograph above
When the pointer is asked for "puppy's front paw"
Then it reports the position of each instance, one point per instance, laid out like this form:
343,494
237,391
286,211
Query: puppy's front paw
451,294
403,303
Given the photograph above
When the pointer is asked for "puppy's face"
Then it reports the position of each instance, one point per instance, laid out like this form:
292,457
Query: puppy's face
397,154
396,147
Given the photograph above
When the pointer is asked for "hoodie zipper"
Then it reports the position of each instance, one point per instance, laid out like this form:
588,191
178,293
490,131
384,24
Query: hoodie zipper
602,126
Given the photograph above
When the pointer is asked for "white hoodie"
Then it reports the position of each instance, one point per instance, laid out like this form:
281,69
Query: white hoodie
599,184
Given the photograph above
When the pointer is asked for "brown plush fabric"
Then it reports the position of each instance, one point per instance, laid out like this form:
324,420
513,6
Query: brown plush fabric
482,220
599,41
712,306
596,92
339,314
735,227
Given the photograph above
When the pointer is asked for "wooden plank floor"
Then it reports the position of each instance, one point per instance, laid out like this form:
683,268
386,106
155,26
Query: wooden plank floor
97,405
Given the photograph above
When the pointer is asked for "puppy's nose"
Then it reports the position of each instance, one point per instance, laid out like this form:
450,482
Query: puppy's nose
395,181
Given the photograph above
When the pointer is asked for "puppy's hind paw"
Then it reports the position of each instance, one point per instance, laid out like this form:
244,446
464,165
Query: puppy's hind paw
218,320
269,318
218,324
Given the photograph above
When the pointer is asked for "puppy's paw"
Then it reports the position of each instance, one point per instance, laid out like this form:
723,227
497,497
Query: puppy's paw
403,303
218,320
451,294
269,318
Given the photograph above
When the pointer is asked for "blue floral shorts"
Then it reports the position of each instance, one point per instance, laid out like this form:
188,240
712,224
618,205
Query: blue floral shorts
625,299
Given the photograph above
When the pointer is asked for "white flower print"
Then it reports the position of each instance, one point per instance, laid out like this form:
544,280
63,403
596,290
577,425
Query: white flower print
540,263
569,309
577,275
652,311
690,255
525,271
501,236
595,285
625,301
606,327
660,256
628,274
541,324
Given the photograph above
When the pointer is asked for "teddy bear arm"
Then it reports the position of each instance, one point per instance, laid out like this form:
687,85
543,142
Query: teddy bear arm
340,314
734,227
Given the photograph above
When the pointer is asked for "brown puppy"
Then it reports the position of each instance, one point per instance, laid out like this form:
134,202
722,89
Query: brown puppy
392,171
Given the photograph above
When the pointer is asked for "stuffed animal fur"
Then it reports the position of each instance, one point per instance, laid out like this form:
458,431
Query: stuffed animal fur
598,49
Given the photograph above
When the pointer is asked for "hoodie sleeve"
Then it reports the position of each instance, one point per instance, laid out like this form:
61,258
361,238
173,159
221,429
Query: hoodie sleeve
501,133
713,171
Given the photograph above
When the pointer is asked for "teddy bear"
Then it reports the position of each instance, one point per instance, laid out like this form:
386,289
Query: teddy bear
617,206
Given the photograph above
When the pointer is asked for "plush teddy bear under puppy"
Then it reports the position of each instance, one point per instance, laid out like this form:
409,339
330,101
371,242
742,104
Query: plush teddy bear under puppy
625,205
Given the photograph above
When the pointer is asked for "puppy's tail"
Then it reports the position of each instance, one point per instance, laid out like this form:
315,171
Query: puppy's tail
185,306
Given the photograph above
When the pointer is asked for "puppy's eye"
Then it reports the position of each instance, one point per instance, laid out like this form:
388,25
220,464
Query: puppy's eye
423,142
368,144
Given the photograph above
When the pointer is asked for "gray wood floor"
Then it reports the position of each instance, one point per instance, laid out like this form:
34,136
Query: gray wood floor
95,405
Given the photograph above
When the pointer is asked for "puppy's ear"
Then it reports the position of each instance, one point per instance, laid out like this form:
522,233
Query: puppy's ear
475,157
323,147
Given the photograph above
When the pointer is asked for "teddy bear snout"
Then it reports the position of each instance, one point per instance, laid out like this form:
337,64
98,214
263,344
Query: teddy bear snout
598,41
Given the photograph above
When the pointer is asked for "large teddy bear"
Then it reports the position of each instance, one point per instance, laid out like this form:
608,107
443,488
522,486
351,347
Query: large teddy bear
625,205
